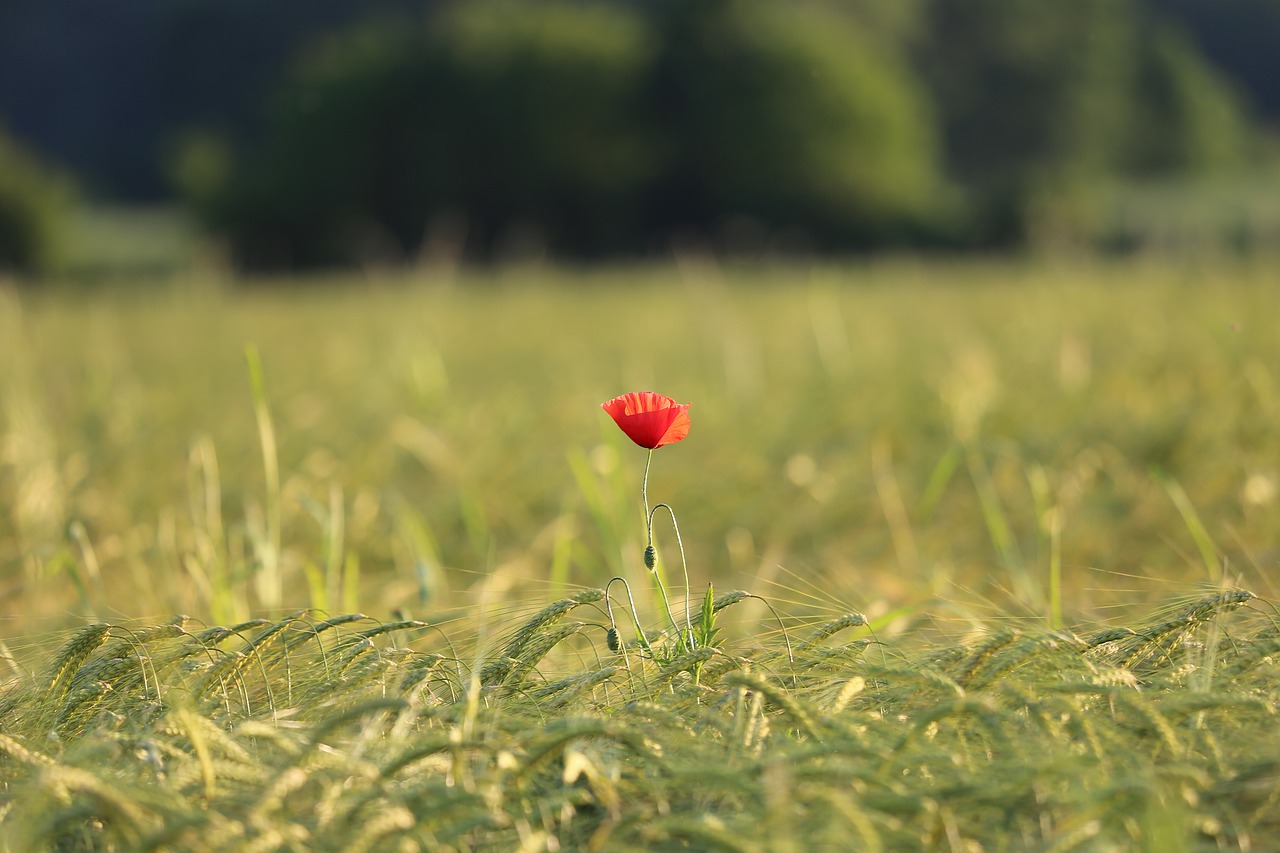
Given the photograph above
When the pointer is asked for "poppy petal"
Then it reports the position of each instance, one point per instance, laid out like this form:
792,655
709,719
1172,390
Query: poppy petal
678,428
649,419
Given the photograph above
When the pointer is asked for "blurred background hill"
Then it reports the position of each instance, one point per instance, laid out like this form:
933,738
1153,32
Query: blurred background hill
337,132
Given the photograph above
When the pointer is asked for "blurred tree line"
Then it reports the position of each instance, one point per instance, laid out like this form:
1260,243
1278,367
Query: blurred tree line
336,131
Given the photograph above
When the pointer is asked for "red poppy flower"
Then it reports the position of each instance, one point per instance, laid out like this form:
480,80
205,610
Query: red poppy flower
650,420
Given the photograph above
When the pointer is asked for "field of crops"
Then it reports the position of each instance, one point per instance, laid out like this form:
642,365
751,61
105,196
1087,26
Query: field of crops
993,547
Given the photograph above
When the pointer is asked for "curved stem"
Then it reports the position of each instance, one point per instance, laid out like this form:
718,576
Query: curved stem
666,605
635,614
657,576
791,658
684,566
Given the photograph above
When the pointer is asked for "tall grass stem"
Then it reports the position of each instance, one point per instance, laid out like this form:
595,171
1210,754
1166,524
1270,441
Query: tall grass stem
269,583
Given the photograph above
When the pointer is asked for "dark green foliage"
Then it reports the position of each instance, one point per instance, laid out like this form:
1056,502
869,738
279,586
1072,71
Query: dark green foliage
107,91
794,116
512,118
545,127
172,69
582,128
1237,36
497,127
1043,104
34,205
1185,119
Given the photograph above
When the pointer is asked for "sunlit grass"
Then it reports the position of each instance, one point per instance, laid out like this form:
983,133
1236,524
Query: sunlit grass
941,484
895,433
350,734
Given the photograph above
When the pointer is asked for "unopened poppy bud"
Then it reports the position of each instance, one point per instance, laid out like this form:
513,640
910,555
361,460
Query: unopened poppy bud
650,557
612,640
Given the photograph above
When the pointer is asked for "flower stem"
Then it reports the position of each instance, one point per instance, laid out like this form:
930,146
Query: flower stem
684,565
650,553
635,614
666,605
644,496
